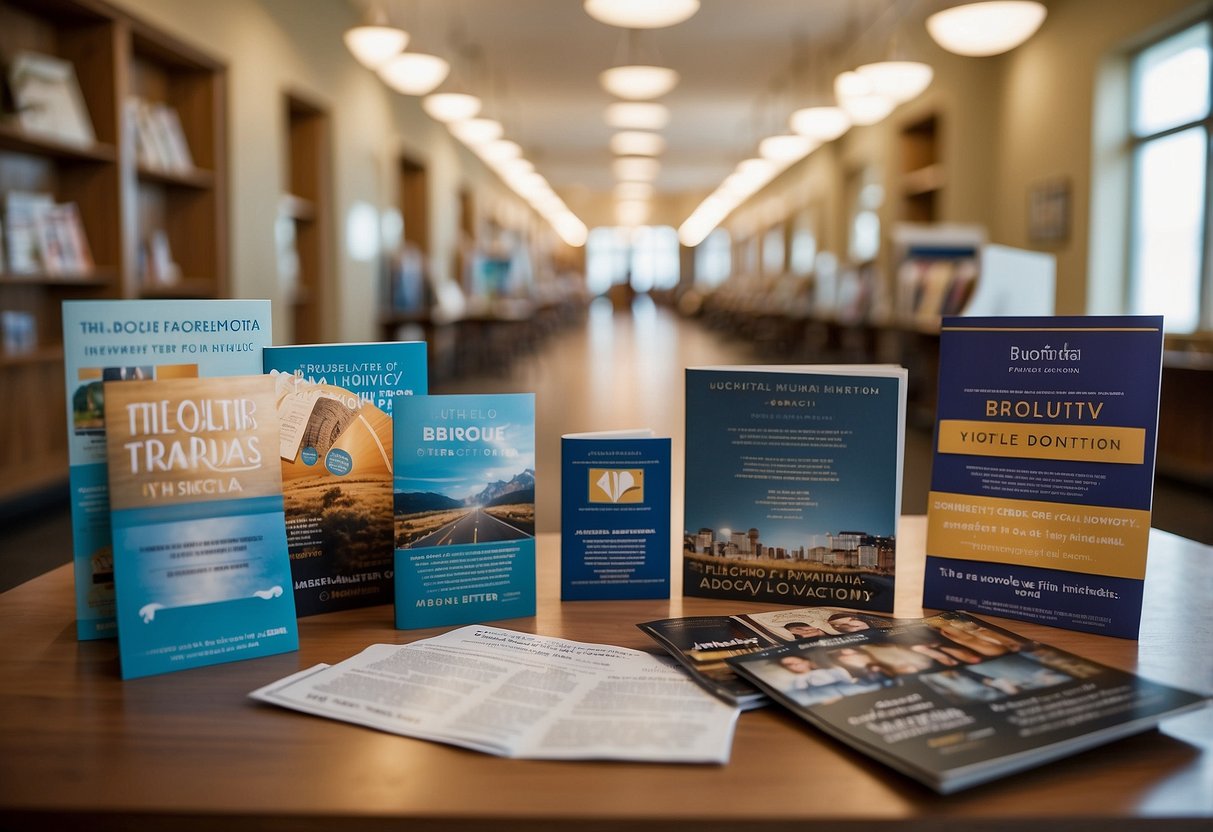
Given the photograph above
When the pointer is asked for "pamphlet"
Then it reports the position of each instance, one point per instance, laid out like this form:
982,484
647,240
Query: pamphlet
520,695
704,643
335,418
465,508
793,483
200,560
1044,469
952,701
614,516
122,340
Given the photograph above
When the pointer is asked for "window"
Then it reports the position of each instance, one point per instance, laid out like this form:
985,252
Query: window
1170,119
648,255
774,251
714,259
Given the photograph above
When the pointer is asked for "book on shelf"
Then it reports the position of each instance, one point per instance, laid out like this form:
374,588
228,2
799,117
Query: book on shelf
614,515
334,406
1043,469
464,508
702,644
18,332
47,98
160,143
953,701
157,268
200,559
45,237
21,212
793,483
121,340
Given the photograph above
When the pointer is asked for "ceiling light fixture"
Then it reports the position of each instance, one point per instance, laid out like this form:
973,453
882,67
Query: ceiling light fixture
476,131
823,124
637,143
638,82
635,168
785,149
641,14
898,80
634,190
375,42
414,73
986,28
861,102
500,150
451,106
637,115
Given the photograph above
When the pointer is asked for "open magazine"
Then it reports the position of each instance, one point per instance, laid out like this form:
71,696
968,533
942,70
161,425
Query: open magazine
704,643
952,701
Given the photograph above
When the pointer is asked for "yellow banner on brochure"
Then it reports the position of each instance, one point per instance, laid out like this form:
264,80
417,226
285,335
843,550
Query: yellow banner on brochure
1092,539
1080,443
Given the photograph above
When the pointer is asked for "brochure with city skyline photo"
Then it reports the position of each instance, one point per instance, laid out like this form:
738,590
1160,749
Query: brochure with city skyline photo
793,483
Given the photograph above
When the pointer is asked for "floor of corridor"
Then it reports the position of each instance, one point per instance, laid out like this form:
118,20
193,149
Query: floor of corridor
620,370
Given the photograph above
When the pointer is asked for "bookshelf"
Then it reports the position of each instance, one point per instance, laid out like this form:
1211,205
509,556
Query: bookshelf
118,200
921,170
305,206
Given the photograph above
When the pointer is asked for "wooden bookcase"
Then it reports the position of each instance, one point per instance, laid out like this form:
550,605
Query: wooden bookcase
114,57
921,170
306,206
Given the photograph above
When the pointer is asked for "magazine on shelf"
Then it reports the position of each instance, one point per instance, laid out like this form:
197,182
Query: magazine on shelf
464,501
702,644
46,95
519,695
614,515
793,483
122,340
334,405
952,701
200,560
1043,469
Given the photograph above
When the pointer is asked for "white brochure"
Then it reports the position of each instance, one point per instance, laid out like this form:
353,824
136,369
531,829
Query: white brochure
519,695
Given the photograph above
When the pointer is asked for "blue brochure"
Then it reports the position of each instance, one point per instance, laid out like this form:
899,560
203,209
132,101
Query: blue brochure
1044,469
335,416
793,483
465,508
614,516
118,340
200,562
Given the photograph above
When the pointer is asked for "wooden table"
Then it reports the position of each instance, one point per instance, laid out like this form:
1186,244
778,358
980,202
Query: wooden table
189,751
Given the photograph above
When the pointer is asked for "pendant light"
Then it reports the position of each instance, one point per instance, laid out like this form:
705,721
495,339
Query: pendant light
637,76
414,73
376,41
637,143
637,115
641,14
986,28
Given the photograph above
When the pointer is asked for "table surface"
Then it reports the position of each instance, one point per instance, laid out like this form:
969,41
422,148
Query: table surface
189,749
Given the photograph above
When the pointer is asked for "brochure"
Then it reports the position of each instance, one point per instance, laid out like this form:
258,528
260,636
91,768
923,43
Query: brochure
121,340
793,483
952,701
200,561
520,695
704,643
614,516
335,417
1044,469
465,508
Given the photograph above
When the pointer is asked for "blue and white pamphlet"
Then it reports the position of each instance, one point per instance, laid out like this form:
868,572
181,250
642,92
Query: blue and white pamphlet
119,340
614,516
335,417
793,483
1044,469
200,561
464,508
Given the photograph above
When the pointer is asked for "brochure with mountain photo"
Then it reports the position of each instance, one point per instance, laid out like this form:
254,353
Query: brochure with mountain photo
335,416
464,494
953,701
793,483
123,340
